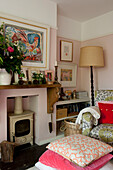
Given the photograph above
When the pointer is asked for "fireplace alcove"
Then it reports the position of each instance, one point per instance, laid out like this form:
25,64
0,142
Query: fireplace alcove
35,98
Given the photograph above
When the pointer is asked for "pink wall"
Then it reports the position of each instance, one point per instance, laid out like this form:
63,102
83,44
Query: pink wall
103,75
42,132
76,51
53,46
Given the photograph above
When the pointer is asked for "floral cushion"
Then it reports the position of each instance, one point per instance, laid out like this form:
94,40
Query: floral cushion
80,149
103,95
87,123
103,132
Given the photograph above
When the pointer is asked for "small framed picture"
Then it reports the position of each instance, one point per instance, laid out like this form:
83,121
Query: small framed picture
66,51
31,71
67,74
49,75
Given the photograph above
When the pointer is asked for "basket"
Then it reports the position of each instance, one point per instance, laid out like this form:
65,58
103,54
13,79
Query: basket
71,128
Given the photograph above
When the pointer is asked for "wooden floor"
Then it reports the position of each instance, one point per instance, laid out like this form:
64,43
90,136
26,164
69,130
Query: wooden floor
25,156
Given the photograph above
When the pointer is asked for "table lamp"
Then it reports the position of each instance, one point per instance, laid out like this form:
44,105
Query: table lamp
91,56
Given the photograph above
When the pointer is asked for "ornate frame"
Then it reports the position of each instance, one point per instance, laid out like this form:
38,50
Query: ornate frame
33,27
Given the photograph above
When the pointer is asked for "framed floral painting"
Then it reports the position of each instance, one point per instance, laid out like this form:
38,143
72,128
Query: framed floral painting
67,74
66,51
33,39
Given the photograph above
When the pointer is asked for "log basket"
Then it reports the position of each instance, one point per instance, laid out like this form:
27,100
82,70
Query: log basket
70,128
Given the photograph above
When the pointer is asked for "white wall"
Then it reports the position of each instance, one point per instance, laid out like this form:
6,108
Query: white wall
42,11
97,27
94,28
69,28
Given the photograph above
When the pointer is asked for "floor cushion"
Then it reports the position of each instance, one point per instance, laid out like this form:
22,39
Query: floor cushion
54,160
79,149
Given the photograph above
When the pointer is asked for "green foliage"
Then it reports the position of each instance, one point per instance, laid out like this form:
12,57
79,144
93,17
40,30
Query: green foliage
11,54
21,75
38,76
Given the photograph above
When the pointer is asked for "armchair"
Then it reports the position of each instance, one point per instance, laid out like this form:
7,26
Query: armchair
103,131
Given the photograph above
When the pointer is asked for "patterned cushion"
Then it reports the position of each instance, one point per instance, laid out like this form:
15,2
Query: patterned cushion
87,123
103,95
80,149
103,132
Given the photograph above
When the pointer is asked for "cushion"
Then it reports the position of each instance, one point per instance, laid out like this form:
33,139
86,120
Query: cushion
41,166
80,149
54,160
108,102
106,110
103,95
103,132
87,123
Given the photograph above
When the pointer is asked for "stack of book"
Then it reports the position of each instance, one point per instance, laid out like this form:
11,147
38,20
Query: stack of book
81,94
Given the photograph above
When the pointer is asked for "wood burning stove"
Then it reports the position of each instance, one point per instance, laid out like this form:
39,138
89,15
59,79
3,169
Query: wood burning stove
20,127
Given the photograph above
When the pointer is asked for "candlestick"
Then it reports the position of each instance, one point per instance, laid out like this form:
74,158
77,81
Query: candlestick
56,78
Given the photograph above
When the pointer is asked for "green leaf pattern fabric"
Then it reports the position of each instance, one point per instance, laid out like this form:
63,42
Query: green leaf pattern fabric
103,95
87,123
103,132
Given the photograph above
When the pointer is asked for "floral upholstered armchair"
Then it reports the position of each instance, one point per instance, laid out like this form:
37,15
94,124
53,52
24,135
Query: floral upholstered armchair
104,128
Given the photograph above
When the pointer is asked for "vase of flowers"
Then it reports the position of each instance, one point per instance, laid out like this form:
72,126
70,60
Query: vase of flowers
11,57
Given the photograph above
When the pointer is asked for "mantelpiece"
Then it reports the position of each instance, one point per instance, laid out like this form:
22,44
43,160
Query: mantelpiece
29,86
52,92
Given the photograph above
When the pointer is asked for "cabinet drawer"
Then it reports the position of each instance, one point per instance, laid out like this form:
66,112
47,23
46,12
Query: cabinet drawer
60,113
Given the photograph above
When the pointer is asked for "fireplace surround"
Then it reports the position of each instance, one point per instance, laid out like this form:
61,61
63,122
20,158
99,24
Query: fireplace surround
39,99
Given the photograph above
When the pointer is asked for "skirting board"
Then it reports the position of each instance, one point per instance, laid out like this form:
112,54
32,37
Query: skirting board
50,140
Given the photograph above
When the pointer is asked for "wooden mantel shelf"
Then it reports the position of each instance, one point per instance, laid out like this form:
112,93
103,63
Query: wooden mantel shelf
52,92
29,86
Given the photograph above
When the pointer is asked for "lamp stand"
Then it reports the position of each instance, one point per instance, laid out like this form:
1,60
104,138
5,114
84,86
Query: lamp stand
92,87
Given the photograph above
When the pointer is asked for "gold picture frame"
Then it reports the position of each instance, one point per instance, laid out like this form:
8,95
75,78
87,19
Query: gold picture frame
42,32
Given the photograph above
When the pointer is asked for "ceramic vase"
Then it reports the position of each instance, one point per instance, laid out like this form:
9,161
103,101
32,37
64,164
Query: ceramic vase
5,77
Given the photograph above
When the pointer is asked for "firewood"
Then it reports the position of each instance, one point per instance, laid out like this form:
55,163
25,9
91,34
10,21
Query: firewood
7,151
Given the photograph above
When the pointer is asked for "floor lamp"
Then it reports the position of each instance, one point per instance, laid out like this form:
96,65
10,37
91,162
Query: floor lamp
91,56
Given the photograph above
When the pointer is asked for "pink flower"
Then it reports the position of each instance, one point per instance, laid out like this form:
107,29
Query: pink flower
10,49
